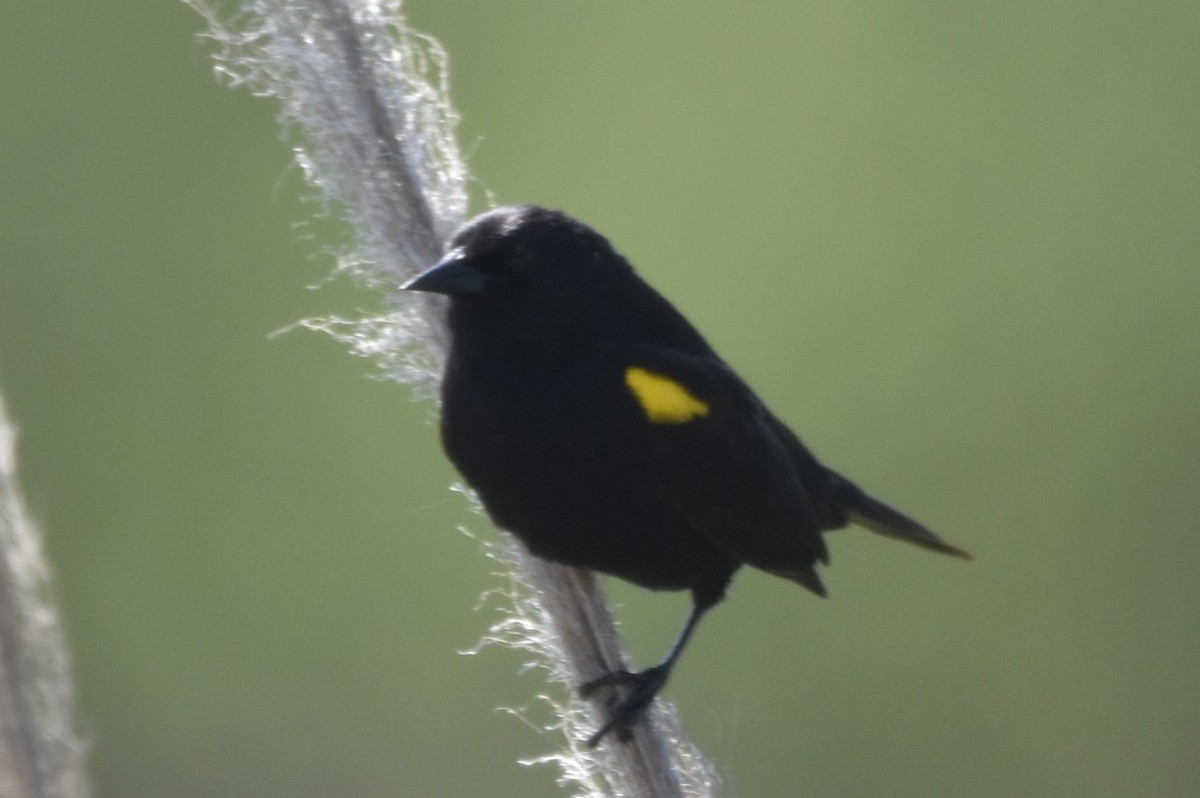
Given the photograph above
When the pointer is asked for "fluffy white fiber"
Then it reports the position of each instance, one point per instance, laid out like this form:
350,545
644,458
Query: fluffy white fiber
364,101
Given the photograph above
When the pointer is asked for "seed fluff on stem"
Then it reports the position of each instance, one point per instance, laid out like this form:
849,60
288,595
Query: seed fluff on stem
364,100
41,755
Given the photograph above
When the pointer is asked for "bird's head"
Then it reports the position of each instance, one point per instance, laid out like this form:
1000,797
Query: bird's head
527,267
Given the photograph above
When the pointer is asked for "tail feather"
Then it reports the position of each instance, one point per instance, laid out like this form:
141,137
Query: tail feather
805,576
876,516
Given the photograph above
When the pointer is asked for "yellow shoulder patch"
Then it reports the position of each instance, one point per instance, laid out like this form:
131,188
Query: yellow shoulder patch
663,399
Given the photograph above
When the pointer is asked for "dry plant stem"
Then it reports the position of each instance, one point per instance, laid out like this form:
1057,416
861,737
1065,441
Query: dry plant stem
41,755
391,154
646,764
368,99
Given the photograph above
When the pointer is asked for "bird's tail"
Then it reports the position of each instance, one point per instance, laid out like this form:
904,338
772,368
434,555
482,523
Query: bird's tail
876,516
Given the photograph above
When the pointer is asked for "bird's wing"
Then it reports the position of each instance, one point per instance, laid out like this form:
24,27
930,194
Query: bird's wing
710,450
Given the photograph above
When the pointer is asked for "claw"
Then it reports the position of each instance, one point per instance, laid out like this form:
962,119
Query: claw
624,716
645,684
610,679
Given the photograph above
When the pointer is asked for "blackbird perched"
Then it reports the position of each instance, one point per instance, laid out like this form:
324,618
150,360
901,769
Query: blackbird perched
599,427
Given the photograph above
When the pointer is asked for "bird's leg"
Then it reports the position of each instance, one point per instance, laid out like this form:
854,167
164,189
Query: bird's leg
645,684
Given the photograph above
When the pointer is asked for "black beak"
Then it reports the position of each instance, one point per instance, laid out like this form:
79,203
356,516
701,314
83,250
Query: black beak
453,274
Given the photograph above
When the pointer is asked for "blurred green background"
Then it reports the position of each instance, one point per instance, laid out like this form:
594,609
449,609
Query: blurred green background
955,245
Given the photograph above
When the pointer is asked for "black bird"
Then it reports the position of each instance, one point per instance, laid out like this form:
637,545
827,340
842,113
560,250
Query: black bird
599,427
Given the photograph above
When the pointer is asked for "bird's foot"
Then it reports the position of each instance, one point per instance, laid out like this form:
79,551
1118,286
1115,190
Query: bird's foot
627,707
